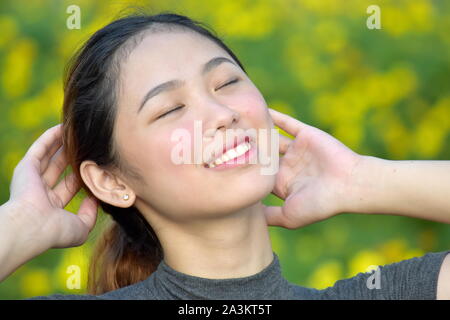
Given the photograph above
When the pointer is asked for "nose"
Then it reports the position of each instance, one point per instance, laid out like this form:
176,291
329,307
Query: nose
221,118
218,117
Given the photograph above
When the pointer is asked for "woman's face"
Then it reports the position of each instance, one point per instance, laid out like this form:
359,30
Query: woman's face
145,140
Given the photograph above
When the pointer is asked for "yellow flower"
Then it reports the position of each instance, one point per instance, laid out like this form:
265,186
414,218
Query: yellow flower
441,112
10,159
328,8
413,253
245,18
395,134
394,20
363,260
324,109
27,115
400,17
47,104
433,129
326,275
18,64
385,90
35,282
74,263
429,138
331,34
9,30
349,133
422,15
393,250
398,139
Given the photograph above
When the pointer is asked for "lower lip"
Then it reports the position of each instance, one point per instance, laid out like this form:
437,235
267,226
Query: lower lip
241,161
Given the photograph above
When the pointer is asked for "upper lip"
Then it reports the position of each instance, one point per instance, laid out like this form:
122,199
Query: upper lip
230,145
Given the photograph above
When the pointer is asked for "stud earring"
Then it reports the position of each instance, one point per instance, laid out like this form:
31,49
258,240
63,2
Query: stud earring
125,197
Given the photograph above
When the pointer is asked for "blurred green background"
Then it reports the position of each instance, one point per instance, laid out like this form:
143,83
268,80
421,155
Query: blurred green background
383,93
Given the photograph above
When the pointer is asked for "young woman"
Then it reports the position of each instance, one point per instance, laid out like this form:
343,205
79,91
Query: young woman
197,231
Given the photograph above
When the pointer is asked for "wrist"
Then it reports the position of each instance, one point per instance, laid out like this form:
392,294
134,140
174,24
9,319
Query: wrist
20,231
12,253
365,187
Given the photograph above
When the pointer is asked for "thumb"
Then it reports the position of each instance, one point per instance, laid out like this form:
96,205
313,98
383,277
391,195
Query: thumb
88,212
274,216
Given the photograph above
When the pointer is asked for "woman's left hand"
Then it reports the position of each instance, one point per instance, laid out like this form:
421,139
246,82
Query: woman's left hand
314,175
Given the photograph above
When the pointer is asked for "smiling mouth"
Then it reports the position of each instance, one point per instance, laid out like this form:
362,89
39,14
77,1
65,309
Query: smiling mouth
230,154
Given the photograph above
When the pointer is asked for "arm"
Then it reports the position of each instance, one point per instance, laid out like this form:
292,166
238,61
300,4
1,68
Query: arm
14,249
34,220
411,279
319,177
443,286
418,189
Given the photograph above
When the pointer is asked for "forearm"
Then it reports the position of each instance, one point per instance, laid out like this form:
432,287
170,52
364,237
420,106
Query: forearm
414,188
16,248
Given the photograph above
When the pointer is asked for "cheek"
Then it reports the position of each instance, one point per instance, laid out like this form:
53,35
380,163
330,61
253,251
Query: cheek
171,141
252,106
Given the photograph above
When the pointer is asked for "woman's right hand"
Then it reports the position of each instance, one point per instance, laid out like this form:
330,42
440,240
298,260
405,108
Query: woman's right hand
40,200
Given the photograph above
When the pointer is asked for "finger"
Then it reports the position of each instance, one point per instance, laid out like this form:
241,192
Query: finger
88,212
274,217
42,147
285,142
54,147
67,188
55,168
287,123
46,160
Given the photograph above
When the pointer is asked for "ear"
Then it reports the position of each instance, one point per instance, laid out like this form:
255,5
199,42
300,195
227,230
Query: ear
105,185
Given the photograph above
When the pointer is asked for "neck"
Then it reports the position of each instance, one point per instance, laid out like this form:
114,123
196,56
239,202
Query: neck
234,246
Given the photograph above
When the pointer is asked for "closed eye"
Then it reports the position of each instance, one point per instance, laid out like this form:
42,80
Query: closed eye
182,106
175,109
230,82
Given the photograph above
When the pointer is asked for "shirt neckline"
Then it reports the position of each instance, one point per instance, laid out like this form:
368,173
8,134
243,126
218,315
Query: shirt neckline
266,284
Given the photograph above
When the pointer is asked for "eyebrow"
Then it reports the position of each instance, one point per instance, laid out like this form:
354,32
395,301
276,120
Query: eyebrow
175,84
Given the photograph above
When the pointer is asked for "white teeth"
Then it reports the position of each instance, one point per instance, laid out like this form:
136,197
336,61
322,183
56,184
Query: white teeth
240,149
231,154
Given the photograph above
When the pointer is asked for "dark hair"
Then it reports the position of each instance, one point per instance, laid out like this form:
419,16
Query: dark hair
129,250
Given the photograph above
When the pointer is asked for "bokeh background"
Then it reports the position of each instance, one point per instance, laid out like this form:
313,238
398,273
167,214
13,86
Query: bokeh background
383,93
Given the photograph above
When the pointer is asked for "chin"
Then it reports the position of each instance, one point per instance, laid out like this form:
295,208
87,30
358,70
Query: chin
234,198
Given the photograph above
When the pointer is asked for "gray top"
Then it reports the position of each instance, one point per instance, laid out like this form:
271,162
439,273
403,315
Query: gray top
414,278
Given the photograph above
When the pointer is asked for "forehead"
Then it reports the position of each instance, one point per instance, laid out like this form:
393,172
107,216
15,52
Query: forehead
163,55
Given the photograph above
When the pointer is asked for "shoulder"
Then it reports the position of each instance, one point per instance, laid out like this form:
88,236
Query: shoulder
415,278
61,296
138,291
143,290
